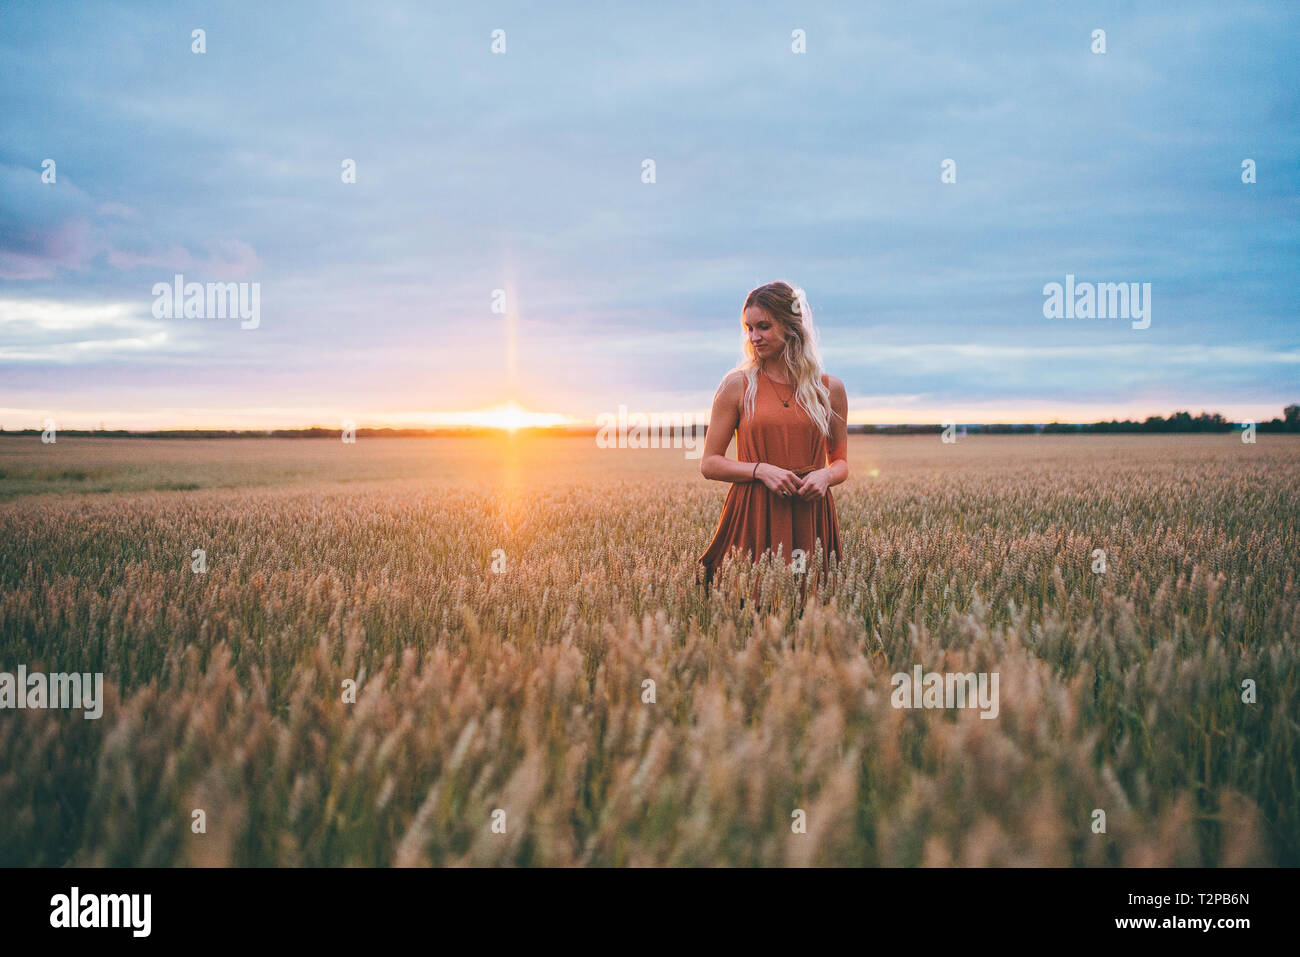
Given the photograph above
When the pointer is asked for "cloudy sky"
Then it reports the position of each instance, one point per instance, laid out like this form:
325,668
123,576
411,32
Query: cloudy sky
523,171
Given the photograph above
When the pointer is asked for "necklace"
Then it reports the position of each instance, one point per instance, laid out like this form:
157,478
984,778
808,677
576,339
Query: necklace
784,402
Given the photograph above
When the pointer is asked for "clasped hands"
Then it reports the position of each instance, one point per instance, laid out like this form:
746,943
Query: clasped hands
785,482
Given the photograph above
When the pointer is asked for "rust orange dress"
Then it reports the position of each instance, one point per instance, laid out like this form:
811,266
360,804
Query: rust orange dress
754,518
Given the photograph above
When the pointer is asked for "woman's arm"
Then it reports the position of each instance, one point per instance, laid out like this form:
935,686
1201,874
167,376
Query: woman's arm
722,425
838,445
817,482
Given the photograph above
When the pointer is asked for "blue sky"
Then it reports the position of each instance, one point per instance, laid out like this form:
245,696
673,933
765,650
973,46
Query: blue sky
478,171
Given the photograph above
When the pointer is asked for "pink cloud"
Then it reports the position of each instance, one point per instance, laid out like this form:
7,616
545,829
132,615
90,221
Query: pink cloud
36,253
177,257
232,258
224,258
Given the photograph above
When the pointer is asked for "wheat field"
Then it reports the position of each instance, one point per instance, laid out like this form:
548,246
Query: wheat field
503,604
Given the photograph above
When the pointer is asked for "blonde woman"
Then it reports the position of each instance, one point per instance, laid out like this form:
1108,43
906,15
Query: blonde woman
790,419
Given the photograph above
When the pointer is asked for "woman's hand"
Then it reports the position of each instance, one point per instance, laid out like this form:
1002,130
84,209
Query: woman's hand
815,484
779,480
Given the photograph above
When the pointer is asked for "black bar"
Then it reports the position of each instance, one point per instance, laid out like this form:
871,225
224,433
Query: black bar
957,906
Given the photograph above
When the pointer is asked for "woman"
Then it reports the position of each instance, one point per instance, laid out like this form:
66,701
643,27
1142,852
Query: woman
793,436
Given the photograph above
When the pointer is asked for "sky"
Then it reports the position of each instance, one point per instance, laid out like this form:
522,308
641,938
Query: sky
525,171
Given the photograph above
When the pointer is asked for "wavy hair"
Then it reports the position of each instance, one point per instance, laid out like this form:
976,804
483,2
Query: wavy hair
788,307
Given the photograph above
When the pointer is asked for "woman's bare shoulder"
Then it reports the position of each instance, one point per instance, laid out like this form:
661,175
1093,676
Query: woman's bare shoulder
733,383
832,383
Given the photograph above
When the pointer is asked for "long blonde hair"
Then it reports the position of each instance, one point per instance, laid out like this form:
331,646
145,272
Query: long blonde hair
787,306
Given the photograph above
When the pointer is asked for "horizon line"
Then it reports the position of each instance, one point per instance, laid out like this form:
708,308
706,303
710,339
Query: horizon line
510,417
1153,423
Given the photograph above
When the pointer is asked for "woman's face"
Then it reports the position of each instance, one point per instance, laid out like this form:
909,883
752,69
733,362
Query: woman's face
767,337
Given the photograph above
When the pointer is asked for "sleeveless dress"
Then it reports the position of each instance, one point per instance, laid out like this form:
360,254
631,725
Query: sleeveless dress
754,518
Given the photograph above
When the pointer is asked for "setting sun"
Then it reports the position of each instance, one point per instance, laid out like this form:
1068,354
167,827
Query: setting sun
508,417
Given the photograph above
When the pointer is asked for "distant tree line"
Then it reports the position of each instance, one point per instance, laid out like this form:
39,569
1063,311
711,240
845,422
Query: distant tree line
1184,422
1178,422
